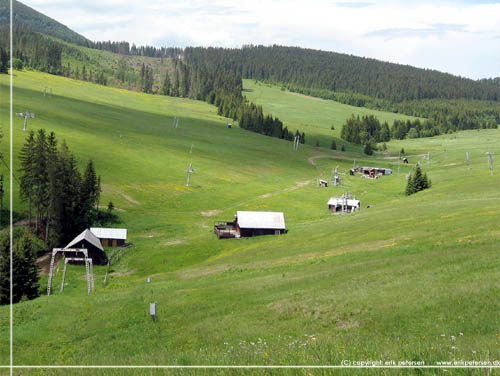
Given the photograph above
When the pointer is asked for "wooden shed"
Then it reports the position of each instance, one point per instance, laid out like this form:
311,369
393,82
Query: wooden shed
252,223
90,242
110,237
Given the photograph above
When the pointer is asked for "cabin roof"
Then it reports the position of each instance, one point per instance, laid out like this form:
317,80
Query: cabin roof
109,233
261,220
340,201
88,236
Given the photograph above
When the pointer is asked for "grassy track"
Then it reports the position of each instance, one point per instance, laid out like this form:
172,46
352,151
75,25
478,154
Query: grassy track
392,282
314,116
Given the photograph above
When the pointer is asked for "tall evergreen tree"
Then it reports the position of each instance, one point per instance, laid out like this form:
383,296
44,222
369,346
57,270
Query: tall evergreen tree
27,180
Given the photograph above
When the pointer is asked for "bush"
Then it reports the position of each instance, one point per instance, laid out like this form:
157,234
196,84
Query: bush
17,64
342,148
413,133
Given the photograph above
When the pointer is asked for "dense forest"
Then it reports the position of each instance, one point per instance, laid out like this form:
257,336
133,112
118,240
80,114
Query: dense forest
61,201
36,21
306,68
450,103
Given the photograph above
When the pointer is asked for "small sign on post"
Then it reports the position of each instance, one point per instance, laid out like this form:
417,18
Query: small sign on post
152,310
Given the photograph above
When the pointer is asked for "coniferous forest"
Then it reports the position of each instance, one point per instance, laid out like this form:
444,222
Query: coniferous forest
449,103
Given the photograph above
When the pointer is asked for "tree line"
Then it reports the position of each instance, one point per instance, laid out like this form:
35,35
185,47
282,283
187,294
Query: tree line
308,68
61,201
368,130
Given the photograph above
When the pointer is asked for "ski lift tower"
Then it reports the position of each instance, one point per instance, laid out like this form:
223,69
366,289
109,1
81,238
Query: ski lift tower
189,171
89,273
26,115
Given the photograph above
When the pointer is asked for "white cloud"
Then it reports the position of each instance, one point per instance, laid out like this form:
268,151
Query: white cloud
461,38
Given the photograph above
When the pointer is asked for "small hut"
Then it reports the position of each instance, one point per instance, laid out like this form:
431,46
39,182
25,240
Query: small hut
251,223
343,204
323,183
93,245
110,237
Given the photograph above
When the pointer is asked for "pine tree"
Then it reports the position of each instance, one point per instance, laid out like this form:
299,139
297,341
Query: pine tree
417,182
27,180
90,193
4,61
334,145
165,88
368,150
41,178
410,186
25,280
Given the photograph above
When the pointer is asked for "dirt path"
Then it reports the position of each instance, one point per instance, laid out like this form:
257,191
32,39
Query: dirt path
107,187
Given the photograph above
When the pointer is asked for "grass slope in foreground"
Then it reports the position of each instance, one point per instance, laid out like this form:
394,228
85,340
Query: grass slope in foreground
395,281
314,116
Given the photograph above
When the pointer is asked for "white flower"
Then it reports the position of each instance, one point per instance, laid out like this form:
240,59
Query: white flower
453,338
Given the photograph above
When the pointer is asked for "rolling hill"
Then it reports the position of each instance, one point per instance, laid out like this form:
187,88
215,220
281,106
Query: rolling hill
407,278
36,21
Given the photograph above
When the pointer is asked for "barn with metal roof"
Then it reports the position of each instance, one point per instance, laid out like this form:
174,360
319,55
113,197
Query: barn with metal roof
252,223
110,237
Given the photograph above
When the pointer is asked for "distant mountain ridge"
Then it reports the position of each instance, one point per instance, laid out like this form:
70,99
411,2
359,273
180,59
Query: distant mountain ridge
36,21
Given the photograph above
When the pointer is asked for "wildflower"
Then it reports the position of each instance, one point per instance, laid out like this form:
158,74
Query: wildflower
453,338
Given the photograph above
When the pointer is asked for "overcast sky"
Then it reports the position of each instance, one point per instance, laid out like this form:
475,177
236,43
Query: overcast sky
459,37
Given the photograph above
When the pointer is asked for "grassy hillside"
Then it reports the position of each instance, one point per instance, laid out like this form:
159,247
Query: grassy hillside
394,281
314,116
36,21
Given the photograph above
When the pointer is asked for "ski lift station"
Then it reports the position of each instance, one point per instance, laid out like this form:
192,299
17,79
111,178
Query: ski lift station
343,204
251,223
371,172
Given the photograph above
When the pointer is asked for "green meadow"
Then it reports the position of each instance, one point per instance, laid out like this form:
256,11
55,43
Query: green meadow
314,116
409,278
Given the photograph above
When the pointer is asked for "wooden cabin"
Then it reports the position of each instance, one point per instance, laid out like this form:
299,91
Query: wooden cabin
251,223
110,237
93,245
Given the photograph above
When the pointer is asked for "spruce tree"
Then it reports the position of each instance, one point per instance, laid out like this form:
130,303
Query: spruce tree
4,61
368,149
334,145
41,179
27,179
165,88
